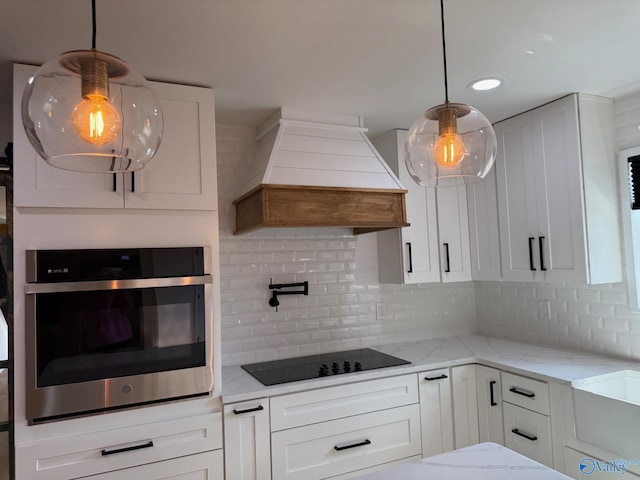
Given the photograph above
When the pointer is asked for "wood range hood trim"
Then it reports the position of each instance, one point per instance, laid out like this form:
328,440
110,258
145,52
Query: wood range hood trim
288,206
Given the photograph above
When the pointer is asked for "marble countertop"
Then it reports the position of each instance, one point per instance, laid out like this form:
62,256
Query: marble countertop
543,363
484,461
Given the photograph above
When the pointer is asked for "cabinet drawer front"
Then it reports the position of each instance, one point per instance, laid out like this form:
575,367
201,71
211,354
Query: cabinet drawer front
104,451
339,446
316,406
529,433
526,392
202,466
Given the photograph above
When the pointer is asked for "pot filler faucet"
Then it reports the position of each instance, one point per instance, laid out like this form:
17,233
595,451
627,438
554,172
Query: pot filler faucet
273,301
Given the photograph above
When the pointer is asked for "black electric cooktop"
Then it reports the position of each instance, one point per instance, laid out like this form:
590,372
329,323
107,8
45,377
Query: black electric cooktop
323,365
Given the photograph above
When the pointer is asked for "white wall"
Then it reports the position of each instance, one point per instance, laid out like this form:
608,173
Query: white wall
590,318
346,307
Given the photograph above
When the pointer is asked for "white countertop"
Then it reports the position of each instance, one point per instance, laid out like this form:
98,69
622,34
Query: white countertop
544,363
484,461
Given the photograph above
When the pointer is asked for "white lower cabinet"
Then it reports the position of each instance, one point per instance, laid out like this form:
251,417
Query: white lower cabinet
122,449
247,440
202,466
465,406
338,430
436,414
490,424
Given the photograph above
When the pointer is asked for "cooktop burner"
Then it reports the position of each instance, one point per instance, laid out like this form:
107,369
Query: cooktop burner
323,365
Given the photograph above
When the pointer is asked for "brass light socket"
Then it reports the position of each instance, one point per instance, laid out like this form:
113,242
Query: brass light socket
447,121
95,79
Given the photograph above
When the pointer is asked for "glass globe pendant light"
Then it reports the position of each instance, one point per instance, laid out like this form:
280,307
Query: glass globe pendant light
88,111
451,144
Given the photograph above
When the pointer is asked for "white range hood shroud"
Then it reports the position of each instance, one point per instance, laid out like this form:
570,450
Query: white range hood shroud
296,147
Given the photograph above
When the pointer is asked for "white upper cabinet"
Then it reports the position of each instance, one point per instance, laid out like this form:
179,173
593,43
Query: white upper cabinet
557,193
182,174
436,246
484,233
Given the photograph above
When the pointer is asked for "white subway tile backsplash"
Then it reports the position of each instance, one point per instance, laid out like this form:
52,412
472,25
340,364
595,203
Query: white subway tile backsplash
340,311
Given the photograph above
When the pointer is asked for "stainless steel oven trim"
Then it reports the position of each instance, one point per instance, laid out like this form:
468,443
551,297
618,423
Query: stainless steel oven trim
30,288
98,396
32,264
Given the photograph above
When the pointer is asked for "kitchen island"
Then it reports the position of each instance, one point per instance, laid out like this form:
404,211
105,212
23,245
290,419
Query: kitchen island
484,461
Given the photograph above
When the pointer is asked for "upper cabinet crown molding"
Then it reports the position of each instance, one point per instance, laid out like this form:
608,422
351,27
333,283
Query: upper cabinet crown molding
181,175
557,193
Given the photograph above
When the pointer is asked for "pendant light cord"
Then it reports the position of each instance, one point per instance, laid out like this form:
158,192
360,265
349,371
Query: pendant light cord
93,21
444,53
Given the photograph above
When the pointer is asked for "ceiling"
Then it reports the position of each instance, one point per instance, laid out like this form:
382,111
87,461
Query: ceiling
381,59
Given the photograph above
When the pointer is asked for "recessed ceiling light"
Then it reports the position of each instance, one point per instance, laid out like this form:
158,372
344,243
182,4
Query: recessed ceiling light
485,84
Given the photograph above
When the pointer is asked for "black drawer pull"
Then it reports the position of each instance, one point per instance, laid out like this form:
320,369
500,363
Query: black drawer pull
149,444
353,445
542,267
533,438
431,379
524,393
492,398
531,266
410,270
248,410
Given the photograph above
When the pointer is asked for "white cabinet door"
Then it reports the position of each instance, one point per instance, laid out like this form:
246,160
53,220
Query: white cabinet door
453,232
247,440
436,414
203,466
409,254
182,174
557,193
37,184
516,198
556,149
490,425
465,406
484,232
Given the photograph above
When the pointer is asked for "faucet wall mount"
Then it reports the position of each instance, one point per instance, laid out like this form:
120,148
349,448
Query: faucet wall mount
274,302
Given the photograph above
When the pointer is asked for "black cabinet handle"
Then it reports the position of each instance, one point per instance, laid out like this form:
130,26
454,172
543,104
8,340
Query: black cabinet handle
491,397
533,438
133,182
531,240
431,379
114,181
127,449
446,250
542,267
353,445
410,258
524,393
248,410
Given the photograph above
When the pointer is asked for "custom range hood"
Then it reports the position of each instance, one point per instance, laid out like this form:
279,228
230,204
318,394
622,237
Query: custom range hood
318,170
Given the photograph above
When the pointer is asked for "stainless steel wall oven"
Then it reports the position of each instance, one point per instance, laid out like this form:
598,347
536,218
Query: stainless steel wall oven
112,328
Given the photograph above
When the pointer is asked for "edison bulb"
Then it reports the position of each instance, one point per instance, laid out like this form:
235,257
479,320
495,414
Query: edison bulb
449,151
95,120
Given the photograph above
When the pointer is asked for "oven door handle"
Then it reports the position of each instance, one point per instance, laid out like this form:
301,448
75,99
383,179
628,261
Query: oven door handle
30,288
